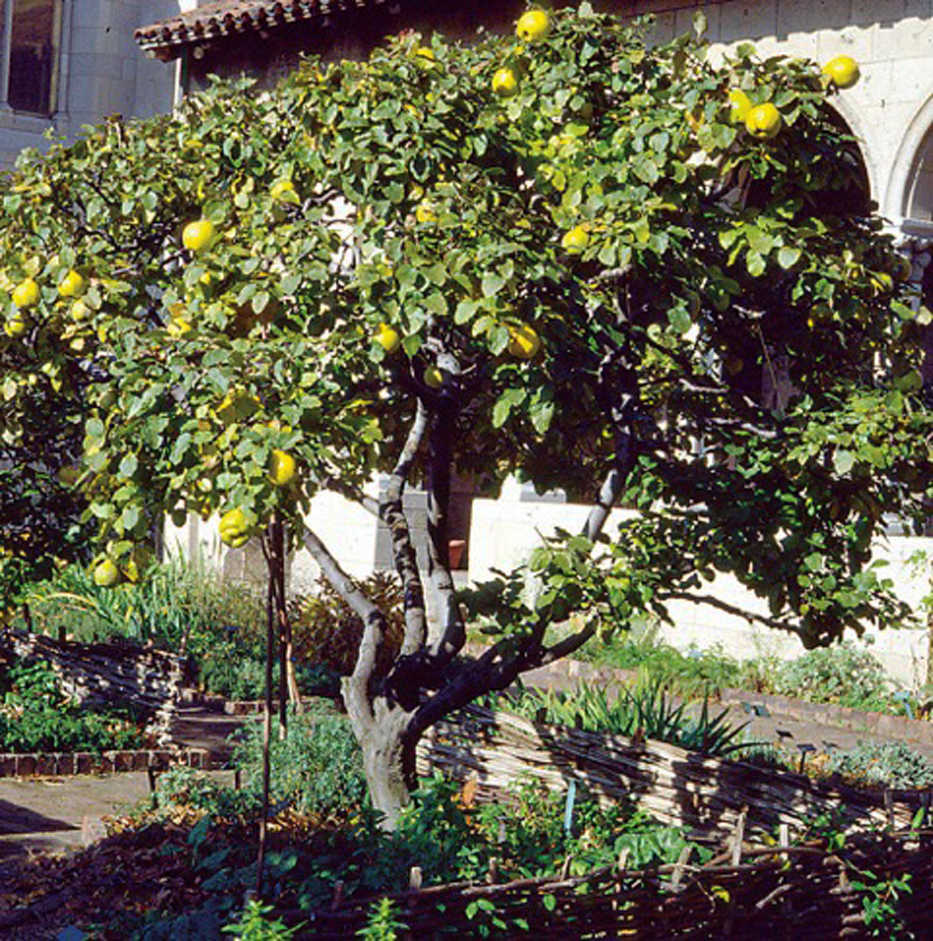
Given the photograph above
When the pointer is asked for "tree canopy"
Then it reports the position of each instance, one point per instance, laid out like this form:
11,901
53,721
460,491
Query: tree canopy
571,256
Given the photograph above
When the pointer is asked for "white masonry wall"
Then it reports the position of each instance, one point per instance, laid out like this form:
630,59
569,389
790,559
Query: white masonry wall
505,531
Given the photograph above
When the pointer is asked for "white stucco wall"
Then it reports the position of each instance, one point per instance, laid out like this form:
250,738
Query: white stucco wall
504,532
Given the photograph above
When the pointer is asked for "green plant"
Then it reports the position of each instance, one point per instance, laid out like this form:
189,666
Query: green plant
175,603
254,924
181,786
318,765
645,710
843,674
383,923
691,674
36,716
893,764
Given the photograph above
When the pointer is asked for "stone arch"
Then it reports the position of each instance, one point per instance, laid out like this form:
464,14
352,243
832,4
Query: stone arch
913,166
851,120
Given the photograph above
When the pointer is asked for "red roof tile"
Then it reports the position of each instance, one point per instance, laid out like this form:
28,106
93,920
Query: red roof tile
220,18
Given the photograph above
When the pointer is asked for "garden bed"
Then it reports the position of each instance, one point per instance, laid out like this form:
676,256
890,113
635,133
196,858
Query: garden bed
799,892
567,674
679,787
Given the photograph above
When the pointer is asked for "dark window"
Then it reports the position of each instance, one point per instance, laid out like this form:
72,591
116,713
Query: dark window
33,56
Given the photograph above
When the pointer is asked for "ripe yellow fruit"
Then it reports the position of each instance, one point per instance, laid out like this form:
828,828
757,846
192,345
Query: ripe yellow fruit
106,574
72,285
424,212
284,192
575,240
763,121
16,326
387,337
433,377
26,293
740,104
79,311
234,528
843,70
524,341
504,83
533,25
197,236
281,468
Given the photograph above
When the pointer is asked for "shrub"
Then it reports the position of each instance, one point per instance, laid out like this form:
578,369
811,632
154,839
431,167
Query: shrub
892,764
844,674
327,631
181,786
318,765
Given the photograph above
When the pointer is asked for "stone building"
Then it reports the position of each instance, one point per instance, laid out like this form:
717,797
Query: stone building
63,65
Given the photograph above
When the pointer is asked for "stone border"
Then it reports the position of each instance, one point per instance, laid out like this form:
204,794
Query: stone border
55,764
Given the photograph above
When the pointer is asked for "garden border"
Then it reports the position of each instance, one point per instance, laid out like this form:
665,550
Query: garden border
556,676
61,764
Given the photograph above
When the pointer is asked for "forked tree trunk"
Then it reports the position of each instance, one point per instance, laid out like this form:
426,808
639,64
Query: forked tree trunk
389,764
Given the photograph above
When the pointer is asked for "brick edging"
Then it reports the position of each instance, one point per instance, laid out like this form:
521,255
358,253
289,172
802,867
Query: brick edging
59,764
250,707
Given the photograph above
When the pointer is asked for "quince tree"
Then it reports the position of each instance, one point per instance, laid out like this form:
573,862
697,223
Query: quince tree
714,335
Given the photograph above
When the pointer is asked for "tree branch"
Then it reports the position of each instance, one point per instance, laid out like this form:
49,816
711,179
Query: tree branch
406,562
356,687
730,609
565,647
452,636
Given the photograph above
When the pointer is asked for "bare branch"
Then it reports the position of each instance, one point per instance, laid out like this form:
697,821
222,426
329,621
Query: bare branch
451,638
731,609
565,647
496,669
356,686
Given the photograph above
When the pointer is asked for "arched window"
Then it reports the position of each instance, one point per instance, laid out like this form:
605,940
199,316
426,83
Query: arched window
33,29
919,196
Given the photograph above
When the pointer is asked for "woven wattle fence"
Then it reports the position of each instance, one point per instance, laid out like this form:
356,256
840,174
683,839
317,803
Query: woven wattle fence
801,893
752,890
687,789
108,673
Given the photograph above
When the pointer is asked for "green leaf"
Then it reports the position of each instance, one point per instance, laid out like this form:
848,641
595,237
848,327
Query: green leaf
843,461
787,257
465,311
128,465
504,405
492,284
